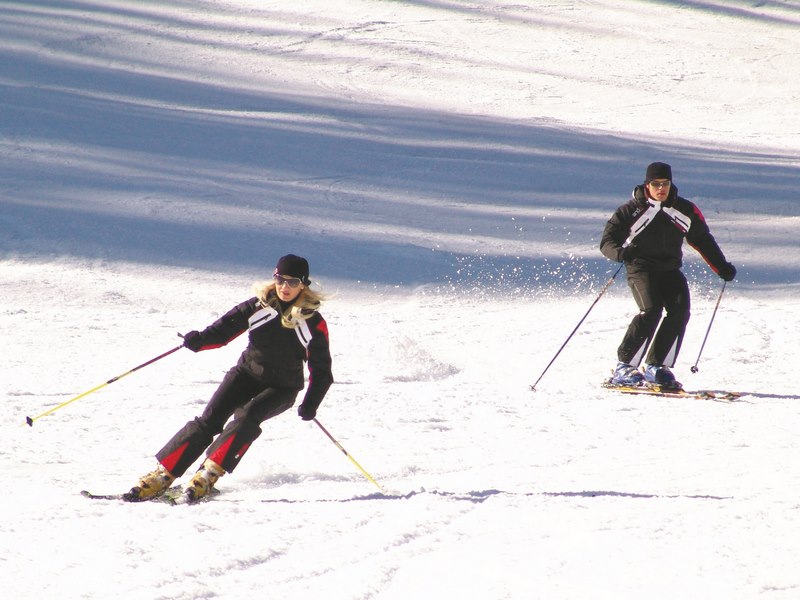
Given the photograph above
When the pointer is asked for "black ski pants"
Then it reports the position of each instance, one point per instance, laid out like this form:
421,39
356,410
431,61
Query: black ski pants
656,293
249,401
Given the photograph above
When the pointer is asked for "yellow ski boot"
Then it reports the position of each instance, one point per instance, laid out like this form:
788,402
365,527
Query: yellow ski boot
150,486
202,482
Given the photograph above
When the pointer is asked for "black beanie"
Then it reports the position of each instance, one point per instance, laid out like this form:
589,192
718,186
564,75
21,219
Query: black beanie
294,266
658,170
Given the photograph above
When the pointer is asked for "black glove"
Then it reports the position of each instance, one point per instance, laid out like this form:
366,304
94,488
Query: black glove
193,341
306,411
628,253
727,272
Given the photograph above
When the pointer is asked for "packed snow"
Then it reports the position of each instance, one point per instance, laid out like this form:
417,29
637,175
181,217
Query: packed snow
447,168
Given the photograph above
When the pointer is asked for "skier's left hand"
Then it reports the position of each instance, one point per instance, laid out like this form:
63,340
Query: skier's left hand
727,272
306,412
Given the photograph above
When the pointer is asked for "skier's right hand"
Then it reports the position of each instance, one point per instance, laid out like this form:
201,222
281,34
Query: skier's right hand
193,341
628,253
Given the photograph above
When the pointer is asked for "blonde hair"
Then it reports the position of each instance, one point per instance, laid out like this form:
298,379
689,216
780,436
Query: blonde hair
305,305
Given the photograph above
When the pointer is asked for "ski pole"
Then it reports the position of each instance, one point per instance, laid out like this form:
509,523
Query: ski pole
694,368
353,460
596,300
30,420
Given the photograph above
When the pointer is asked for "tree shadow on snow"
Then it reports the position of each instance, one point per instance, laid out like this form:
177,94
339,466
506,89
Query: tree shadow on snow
110,164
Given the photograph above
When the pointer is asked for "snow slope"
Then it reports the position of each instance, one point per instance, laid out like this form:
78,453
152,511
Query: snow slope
447,168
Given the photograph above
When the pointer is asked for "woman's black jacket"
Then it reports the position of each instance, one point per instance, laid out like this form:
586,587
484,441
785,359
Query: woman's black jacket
275,354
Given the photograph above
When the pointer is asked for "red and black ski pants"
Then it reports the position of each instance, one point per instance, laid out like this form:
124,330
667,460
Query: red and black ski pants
656,293
239,395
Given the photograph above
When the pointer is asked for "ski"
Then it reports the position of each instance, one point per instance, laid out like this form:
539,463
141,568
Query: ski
91,496
169,497
654,390
172,496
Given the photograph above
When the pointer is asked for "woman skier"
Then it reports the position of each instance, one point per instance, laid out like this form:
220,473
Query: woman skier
285,330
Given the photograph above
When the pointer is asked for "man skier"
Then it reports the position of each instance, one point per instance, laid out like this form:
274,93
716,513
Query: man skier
647,234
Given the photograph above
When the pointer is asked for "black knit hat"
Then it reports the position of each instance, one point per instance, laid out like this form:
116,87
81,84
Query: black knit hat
658,170
294,266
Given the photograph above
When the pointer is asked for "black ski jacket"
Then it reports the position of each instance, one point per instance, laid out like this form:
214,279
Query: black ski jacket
275,354
658,246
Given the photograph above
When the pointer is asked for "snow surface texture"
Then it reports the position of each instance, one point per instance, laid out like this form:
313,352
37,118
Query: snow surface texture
447,167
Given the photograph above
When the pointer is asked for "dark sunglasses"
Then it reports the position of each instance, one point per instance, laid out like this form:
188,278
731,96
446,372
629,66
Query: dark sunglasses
659,184
292,282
